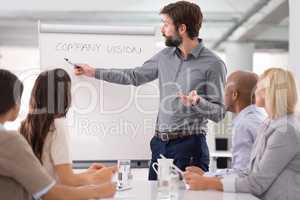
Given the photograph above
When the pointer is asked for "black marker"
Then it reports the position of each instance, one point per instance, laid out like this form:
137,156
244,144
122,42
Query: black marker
68,61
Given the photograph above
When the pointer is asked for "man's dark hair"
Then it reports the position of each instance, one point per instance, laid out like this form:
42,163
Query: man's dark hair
183,12
11,89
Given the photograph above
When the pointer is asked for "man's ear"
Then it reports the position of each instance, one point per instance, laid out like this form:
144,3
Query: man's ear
14,112
235,95
182,29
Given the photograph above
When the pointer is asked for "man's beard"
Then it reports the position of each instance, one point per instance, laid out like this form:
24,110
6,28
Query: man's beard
173,41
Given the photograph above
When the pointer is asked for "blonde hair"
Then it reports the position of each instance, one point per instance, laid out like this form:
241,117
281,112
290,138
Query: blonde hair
280,92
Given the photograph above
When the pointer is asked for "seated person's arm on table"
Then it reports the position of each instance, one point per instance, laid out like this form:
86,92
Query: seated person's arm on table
38,183
91,176
60,153
60,192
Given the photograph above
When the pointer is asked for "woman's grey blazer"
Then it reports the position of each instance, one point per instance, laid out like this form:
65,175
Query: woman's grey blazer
275,162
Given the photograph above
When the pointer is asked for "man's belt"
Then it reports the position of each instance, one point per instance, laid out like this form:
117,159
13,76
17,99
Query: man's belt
166,136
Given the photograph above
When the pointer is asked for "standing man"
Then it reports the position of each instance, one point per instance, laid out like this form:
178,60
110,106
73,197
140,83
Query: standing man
183,66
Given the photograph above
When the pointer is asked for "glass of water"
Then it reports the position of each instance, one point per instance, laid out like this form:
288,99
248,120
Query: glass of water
123,173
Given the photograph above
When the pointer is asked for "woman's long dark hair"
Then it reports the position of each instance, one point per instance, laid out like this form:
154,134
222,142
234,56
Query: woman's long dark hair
50,99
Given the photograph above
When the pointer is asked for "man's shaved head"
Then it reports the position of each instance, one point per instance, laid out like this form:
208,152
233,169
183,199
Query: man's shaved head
242,84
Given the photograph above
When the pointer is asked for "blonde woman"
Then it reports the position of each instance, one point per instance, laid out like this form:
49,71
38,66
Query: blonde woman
275,160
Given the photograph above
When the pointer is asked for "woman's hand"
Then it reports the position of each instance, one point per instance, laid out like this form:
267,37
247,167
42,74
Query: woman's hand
195,181
107,190
103,175
95,166
199,182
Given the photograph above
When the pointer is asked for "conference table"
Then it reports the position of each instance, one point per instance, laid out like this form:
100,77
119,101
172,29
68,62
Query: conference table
148,190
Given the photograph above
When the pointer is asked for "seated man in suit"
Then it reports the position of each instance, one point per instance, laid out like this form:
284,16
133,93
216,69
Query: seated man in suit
21,175
240,99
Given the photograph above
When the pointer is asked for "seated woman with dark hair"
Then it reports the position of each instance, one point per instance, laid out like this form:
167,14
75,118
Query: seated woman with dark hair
45,129
22,176
275,160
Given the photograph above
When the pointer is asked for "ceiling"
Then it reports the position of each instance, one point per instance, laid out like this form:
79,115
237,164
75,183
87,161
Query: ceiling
264,22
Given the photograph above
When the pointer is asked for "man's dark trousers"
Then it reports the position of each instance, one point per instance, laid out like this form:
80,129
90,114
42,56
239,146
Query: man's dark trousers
188,151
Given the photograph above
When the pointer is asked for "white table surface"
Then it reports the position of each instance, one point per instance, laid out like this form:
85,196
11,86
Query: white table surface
147,190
